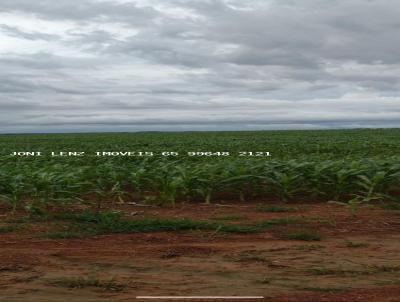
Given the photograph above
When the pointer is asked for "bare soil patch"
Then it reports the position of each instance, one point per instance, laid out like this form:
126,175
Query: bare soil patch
356,258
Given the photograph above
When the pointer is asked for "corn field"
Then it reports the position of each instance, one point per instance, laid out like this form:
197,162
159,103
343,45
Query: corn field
346,166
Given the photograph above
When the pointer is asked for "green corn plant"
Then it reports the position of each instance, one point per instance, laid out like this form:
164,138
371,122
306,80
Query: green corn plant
354,205
374,187
284,185
342,182
209,181
107,184
237,184
168,182
241,179
47,188
187,176
137,179
117,192
105,191
170,188
13,192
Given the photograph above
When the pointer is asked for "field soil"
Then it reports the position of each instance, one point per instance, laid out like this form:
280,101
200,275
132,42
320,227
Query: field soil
357,258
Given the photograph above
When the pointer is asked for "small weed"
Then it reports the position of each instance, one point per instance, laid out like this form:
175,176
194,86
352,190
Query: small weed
307,247
275,209
84,282
13,268
384,268
324,221
238,229
323,271
370,270
322,289
63,235
229,218
392,206
249,257
305,236
265,280
7,229
228,274
352,244
279,221
388,282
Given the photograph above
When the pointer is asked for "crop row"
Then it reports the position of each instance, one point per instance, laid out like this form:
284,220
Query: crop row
282,145
38,186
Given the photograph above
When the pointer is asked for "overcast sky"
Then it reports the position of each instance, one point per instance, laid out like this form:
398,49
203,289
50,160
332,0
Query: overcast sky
125,65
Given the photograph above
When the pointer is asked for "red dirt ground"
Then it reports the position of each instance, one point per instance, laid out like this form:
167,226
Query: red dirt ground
357,259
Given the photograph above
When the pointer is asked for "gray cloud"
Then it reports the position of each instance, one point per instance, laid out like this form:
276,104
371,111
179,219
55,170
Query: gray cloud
15,32
198,64
82,10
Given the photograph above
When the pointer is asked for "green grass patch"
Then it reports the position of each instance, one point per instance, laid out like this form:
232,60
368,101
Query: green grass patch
84,282
280,222
90,223
304,236
249,257
309,247
229,218
388,282
392,206
64,234
384,268
324,271
322,289
7,229
352,244
323,221
275,209
368,270
159,225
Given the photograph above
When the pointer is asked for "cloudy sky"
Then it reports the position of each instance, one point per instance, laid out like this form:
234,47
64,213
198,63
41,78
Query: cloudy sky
126,65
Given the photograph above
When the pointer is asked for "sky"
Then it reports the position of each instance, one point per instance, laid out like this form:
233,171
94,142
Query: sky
182,65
